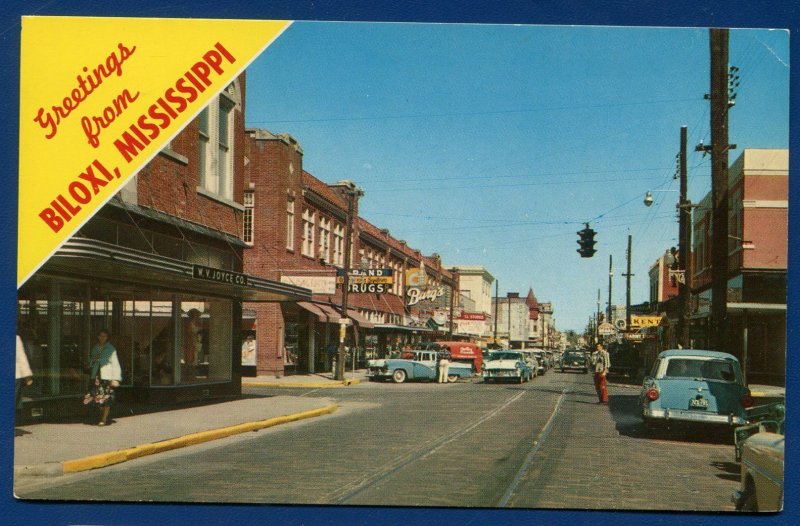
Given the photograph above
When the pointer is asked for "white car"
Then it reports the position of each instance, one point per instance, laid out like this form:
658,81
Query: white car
507,365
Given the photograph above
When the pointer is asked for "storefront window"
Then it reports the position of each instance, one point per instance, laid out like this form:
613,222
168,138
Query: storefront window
160,340
205,340
291,344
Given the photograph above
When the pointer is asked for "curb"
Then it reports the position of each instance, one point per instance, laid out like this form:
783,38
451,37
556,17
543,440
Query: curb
123,455
321,385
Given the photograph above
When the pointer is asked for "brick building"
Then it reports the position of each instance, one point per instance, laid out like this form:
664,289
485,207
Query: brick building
295,229
161,267
757,263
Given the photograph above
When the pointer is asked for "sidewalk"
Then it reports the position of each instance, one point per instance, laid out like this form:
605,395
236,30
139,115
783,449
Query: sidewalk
52,449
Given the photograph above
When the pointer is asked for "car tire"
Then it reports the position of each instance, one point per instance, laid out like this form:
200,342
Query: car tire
452,378
749,502
586,371
399,376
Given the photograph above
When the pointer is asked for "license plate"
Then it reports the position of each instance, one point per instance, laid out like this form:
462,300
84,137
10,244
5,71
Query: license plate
699,403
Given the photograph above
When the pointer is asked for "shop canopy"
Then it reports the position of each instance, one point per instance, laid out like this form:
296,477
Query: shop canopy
104,261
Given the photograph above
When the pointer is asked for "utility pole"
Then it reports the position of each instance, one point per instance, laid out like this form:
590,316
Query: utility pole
452,300
628,287
352,192
684,249
597,317
718,40
509,321
496,307
610,279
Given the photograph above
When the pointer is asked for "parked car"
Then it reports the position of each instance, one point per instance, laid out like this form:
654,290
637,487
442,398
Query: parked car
421,365
760,449
507,365
533,361
625,360
575,359
694,386
544,365
762,473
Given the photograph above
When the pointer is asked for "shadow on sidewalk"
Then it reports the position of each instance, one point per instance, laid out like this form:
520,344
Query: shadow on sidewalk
122,410
625,411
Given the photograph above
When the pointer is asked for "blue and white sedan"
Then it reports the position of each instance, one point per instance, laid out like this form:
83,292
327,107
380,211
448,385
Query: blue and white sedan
693,386
507,365
423,366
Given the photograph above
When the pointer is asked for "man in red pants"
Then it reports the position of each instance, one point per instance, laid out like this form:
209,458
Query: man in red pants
602,363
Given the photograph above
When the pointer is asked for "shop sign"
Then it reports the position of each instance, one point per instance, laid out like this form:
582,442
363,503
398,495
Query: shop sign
316,284
383,276
219,275
475,316
414,295
645,321
374,288
634,336
605,329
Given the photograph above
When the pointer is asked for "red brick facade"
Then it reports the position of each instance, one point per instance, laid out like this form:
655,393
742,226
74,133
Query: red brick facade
274,174
169,182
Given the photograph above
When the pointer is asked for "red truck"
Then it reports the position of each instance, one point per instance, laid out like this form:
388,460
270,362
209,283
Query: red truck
464,352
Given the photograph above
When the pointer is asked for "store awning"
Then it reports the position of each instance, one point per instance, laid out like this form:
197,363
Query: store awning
359,319
313,309
90,258
331,313
388,327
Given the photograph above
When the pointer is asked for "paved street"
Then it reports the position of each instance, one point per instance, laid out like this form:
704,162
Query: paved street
543,444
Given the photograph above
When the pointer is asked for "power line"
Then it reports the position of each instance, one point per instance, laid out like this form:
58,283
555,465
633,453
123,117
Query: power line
530,175
501,186
471,113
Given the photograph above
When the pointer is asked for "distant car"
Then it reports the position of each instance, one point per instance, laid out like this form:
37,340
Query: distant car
690,386
625,360
420,365
575,360
507,365
544,364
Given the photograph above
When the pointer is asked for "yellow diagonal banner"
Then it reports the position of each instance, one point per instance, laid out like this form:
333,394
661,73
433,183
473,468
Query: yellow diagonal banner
99,97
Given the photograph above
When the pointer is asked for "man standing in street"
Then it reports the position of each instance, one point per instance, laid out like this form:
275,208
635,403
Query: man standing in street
444,366
602,363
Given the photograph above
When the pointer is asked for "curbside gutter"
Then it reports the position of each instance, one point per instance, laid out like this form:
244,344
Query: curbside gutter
123,455
313,385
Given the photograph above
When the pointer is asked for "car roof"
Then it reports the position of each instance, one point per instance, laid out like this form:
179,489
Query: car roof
688,353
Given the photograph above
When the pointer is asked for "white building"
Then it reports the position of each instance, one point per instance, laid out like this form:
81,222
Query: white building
475,287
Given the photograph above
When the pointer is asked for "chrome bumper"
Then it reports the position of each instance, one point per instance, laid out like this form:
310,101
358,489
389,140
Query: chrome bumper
693,416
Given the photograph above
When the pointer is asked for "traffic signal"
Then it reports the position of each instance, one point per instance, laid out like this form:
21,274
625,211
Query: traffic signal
586,242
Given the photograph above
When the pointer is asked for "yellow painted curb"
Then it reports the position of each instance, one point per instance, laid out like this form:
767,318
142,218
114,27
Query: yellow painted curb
123,455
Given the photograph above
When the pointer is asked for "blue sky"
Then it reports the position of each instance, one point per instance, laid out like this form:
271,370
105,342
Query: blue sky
491,145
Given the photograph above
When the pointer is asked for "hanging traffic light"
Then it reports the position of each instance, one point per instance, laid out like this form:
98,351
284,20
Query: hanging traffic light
586,242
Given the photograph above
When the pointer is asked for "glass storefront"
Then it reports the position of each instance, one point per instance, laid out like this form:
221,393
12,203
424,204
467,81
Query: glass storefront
162,338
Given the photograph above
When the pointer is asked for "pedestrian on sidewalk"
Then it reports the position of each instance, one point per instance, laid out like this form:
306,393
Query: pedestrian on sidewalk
602,363
24,375
444,368
105,374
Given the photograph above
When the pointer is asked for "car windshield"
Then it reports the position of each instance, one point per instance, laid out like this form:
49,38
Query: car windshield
706,369
505,356
573,356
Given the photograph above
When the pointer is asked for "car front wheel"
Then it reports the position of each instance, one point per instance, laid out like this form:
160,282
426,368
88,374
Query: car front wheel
399,376
452,378
749,502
